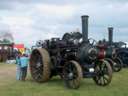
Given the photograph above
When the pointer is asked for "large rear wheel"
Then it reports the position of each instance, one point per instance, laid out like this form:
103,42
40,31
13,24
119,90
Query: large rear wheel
40,65
72,74
103,73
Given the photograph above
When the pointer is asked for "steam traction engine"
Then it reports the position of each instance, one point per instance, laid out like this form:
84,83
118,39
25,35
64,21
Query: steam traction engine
111,51
71,58
122,52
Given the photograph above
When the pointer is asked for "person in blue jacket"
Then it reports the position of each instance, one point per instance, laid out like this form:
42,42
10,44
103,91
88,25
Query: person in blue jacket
24,65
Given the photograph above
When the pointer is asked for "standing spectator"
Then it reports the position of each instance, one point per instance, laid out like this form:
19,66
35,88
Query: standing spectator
18,66
24,64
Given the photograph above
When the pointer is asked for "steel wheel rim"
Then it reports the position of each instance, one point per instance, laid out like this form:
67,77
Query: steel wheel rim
102,77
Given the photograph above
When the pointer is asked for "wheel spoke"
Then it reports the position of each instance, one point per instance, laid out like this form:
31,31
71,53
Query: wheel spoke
98,79
38,77
106,79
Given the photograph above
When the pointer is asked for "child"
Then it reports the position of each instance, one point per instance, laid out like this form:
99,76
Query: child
23,65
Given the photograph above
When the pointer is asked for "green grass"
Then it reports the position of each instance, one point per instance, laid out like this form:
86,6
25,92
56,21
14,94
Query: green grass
55,87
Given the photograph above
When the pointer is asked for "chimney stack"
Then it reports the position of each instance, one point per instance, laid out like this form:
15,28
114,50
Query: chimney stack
85,27
110,35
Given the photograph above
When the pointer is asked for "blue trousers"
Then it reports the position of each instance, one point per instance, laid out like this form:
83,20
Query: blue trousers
21,72
18,72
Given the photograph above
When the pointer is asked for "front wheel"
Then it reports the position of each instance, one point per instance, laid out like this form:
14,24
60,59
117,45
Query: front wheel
103,72
72,74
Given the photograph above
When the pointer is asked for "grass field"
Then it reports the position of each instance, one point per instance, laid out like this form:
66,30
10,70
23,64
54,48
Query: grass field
9,86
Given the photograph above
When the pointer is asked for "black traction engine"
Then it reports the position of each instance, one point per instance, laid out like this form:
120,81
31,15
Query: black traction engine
72,58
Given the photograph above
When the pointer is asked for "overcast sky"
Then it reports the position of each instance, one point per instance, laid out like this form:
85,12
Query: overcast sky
31,20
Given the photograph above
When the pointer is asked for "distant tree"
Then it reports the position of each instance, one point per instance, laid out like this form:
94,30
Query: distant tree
1,41
6,37
6,41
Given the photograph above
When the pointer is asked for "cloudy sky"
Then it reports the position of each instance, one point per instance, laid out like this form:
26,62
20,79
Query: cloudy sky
31,20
